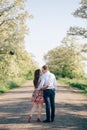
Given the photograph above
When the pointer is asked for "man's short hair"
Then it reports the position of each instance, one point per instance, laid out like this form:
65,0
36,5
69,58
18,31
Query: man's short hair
45,67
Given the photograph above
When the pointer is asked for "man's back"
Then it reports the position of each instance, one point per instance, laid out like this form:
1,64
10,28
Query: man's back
48,79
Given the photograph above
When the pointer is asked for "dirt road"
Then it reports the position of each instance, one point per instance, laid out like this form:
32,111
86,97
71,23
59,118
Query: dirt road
71,110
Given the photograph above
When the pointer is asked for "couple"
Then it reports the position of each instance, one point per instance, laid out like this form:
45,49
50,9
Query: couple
45,86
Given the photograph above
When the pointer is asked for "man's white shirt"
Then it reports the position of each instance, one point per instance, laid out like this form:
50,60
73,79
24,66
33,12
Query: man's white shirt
48,79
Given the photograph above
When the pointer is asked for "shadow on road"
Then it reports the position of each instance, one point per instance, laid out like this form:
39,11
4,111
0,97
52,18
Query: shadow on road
16,111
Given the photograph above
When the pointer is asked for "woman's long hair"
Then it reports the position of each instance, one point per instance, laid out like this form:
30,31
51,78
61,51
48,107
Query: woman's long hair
36,77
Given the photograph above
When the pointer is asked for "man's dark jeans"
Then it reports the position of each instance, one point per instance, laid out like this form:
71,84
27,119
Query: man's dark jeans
49,97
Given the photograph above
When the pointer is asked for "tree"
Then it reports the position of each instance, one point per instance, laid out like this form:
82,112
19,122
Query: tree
15,62
82,13
77,31
12,24
66,59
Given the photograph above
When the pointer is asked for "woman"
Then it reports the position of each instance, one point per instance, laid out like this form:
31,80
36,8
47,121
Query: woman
37,97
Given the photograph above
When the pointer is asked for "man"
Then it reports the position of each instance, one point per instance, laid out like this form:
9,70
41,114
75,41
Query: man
48,79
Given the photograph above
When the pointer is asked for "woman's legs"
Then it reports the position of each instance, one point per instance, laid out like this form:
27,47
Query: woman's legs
39,110
32,112
33,109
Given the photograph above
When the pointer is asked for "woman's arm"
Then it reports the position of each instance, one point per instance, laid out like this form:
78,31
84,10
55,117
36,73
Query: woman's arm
44,87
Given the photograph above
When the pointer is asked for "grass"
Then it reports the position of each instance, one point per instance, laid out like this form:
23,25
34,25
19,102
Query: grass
6,86
80,84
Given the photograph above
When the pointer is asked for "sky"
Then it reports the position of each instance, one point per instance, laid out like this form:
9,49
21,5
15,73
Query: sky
52,19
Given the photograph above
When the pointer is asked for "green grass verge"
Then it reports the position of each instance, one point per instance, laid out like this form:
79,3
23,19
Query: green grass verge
6,86
80,84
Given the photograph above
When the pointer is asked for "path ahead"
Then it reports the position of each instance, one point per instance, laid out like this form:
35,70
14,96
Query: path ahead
71,110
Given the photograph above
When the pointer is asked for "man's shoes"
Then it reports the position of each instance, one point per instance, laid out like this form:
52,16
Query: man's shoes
46,121
52,120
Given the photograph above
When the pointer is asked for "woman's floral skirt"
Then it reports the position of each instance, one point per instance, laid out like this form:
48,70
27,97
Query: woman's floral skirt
37,97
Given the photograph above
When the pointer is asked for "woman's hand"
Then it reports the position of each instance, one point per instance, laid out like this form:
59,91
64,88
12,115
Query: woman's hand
36,89
48,86
44,87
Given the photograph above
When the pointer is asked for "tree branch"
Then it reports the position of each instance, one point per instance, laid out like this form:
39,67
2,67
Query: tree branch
6,9
77,31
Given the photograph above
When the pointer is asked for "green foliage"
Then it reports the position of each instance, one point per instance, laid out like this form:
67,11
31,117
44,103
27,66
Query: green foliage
66,59
77,31
82,13
15,62
76,83
7,85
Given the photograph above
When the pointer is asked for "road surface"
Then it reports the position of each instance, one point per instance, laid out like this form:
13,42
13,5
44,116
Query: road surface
71,110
